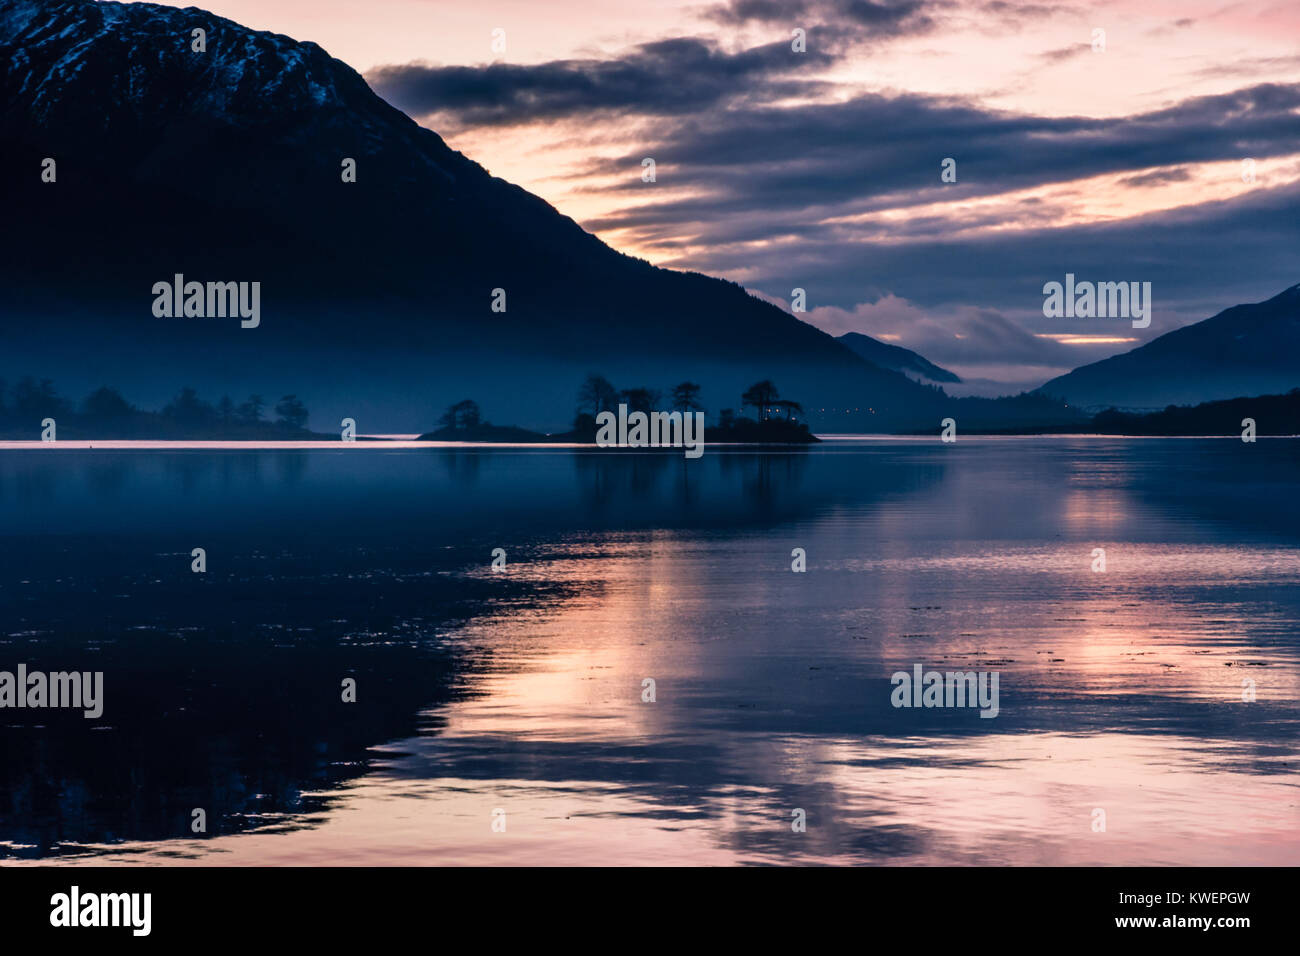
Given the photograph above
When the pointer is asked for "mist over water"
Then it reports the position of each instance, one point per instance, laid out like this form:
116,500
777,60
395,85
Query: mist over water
521,689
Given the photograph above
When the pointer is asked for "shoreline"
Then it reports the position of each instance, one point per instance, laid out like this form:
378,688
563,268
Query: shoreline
323,444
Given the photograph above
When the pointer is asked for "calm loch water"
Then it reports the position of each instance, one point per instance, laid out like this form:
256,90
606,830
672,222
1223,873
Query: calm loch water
521,690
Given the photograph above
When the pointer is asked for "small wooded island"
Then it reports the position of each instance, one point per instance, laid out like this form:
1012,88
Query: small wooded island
777,421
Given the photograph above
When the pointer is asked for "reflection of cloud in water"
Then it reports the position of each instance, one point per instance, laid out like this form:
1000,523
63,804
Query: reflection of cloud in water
522,689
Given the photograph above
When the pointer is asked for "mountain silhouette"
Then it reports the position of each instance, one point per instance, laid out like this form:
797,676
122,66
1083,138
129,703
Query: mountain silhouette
1245,350
226,165
897,358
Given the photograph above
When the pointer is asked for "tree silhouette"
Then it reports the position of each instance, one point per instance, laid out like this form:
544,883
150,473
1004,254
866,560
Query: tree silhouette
596,395
639,399
760,395
250,412
188,409
36,398
292,412
106,404
686,397
463,415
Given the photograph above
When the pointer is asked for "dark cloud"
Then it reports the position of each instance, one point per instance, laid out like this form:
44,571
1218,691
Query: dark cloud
667,77
866,22
1027,11
681,76
753,169
1200,259
1159,177
862,18
1249,67
1065,53
769,185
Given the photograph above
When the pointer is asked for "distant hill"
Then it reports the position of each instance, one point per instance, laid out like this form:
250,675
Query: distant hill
1244,350
488,433
1272,415
896,358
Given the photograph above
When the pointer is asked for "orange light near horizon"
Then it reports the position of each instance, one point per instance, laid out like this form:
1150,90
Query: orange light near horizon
1071,338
